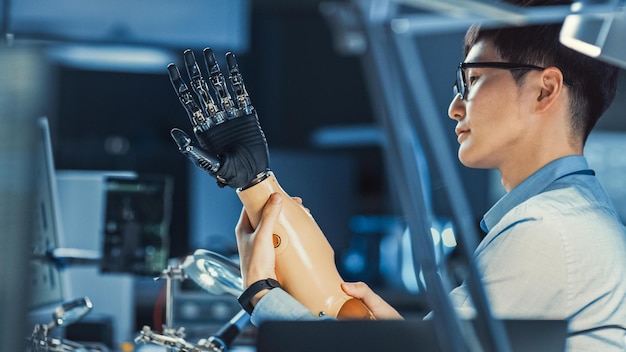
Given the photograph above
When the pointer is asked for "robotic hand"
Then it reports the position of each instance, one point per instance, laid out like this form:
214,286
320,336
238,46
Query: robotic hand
234,149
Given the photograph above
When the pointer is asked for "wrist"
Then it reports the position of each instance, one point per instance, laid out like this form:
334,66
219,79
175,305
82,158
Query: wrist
257,179
251,295
256,298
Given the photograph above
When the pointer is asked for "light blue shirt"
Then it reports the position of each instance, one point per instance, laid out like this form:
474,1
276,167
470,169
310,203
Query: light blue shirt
555,249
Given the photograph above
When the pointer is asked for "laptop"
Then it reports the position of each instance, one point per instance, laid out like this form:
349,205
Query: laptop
394,335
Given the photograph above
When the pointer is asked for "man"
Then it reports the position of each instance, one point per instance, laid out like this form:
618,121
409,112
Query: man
555,248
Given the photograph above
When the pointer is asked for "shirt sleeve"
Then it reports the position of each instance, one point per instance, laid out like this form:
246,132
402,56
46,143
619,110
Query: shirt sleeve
279,305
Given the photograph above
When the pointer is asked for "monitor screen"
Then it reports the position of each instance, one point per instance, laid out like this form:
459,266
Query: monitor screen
45,281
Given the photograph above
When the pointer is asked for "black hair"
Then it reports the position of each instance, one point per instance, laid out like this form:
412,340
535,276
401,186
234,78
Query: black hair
592,83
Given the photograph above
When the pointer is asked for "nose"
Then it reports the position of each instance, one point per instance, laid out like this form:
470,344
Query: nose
456,110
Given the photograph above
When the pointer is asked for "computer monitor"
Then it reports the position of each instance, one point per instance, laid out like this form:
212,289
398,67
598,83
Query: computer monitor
45,283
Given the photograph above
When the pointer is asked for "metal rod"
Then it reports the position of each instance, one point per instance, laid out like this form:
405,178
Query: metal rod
389,100
169,304
465,16
435,138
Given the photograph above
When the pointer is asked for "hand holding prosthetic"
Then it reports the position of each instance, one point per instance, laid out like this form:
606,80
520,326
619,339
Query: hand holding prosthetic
234,150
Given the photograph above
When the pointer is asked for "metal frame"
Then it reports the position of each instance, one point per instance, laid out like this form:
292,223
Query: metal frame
396,78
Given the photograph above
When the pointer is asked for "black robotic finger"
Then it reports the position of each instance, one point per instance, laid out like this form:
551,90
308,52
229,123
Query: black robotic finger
244,104
199,85
219,84
194,111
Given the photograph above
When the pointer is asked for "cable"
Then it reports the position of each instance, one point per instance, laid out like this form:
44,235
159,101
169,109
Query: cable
602,327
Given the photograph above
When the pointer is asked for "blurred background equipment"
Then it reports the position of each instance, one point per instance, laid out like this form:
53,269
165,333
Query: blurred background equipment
46,284
139,22
124,220
596,28
136,225
64,315
69,247
20,104
215,274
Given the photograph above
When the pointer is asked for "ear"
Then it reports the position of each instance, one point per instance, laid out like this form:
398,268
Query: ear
551,88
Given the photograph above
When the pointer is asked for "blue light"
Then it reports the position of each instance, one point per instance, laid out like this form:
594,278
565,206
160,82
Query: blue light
112,58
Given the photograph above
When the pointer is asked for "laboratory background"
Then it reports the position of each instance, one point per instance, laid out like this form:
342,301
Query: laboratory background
103,219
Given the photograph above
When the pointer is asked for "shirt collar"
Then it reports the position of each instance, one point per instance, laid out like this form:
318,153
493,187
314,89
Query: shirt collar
532,186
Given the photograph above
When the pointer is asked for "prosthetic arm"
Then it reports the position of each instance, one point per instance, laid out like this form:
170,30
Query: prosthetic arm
234,150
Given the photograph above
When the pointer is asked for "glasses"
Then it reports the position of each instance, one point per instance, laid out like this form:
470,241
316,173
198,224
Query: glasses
460,86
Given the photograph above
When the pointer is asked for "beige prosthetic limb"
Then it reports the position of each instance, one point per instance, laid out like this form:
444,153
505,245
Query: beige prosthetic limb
234,150
305,263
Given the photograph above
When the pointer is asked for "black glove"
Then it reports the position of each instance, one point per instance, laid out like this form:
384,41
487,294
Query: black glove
234,149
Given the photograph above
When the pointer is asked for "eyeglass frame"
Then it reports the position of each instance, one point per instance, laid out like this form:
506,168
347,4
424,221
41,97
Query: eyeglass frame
511,66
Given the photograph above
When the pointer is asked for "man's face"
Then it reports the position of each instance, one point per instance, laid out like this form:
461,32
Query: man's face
491,120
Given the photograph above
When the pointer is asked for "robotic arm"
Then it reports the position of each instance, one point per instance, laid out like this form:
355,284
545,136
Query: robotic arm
234,151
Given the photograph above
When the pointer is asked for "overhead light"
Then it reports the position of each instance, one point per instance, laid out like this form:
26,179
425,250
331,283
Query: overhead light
111,58
596,28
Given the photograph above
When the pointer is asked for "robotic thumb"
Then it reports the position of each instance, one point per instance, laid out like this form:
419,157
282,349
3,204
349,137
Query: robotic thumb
197,155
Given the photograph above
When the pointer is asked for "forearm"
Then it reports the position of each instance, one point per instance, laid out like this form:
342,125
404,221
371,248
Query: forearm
277,304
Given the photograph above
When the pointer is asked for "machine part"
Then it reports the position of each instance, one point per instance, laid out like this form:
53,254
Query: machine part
63,315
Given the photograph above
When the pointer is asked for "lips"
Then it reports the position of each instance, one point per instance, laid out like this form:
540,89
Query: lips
461,133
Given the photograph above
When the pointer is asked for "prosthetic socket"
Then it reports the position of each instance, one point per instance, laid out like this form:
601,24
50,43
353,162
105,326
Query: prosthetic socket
234,150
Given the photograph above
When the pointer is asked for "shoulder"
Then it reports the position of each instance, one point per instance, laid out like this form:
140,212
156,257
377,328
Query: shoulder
577,211
573,219
576,201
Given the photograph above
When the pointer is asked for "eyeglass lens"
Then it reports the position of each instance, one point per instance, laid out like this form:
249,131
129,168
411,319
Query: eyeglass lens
459,85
